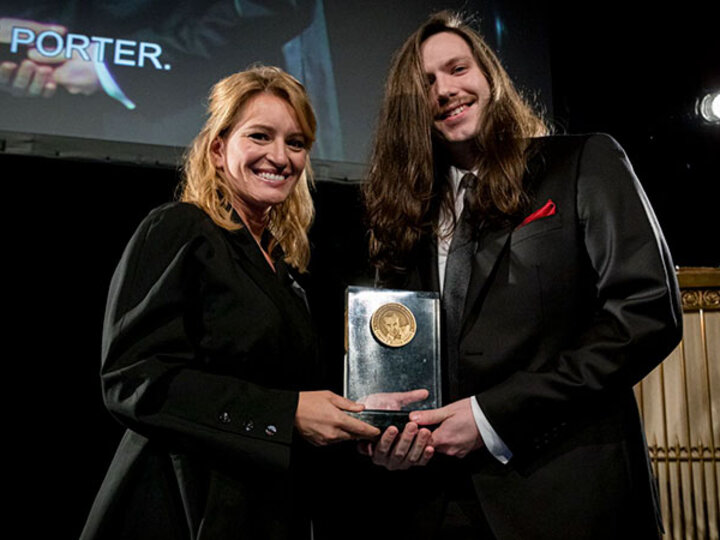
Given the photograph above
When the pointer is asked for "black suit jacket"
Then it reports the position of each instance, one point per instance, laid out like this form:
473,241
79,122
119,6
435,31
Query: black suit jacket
562,316
204,351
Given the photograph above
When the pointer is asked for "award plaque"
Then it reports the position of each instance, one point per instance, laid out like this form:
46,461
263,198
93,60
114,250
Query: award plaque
392,342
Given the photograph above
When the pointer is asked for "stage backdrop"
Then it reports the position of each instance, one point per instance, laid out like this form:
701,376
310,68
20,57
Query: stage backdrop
138,72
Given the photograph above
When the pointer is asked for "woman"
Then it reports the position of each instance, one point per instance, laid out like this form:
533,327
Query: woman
207,338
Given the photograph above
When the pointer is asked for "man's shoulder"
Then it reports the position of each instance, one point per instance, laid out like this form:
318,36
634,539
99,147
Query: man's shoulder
557,144
561,145
563,154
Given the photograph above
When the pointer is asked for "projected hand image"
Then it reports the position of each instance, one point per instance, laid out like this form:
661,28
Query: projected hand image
38,75
76,75
154,57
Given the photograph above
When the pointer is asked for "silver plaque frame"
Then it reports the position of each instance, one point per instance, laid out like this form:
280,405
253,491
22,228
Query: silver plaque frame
376,365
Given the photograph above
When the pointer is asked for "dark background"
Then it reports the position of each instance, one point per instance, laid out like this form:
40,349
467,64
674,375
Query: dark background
634,75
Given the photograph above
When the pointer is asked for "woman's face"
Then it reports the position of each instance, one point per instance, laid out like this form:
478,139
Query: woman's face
263,155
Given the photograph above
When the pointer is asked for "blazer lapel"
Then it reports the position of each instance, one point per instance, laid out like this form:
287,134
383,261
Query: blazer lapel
249,256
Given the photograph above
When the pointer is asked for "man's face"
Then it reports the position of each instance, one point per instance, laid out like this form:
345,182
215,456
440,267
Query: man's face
458,89
392,325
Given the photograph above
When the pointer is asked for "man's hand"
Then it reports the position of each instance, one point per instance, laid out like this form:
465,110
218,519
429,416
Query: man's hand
393,401
320,418
398,453
457,435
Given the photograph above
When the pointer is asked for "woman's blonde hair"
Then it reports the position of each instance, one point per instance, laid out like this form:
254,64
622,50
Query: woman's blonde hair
204,186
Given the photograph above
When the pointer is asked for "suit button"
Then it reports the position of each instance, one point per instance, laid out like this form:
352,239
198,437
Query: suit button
225,417
270,430
248,425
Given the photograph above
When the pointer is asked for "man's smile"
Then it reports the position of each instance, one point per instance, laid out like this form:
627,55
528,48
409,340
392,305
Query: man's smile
454,111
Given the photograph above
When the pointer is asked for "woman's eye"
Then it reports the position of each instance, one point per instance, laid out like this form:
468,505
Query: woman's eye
259,136
298,144
458,69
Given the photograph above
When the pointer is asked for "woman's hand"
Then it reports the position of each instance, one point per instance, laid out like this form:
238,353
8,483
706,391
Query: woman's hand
320,418
393,401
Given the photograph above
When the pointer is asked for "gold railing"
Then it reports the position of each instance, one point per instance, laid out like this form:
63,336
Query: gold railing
680,405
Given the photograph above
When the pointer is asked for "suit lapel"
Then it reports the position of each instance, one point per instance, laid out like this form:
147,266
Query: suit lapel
493,243
490,246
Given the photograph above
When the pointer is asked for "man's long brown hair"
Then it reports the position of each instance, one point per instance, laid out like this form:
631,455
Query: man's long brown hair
406,184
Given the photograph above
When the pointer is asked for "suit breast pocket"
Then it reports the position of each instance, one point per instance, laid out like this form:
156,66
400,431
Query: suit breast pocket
548,263
536,228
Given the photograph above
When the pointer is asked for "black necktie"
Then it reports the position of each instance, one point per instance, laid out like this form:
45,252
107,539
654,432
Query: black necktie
458,270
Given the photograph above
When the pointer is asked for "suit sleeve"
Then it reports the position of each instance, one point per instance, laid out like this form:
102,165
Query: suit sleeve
155,374
636,319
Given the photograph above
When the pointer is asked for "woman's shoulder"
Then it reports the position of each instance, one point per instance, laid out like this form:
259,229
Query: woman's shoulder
172,227
177,214
176,220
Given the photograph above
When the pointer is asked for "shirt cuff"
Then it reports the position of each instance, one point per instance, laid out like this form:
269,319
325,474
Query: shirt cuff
492,440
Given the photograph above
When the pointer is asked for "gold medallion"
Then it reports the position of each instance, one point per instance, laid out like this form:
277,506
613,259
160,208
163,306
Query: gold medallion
393,325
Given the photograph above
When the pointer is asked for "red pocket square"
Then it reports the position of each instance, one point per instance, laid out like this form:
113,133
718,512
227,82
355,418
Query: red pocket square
547,210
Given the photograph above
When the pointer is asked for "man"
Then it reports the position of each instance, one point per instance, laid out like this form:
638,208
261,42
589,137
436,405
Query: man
558,295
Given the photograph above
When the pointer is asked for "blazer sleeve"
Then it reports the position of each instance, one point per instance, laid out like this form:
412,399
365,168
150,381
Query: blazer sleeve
636,319
156,378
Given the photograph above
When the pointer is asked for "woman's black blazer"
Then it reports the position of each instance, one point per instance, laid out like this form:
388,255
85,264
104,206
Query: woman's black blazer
204,351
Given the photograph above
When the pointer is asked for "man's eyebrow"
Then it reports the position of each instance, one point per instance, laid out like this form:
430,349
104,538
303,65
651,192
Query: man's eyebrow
452,61
456,59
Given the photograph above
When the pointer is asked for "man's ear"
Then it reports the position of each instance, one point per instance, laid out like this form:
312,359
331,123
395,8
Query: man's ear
217,151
